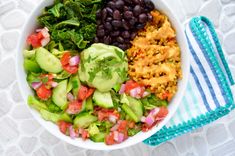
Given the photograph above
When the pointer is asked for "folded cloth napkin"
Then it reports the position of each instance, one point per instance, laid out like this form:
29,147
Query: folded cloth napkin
209,92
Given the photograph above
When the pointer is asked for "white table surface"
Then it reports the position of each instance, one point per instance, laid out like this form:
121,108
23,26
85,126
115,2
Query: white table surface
21,135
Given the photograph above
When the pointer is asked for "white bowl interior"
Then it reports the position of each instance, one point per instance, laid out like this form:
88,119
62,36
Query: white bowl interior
53,129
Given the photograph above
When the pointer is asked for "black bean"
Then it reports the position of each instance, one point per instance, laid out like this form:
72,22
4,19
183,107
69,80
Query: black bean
115,44
145,10
126,40
128,1
137,10
116,23
111,4
132,21
109,11
96,39
136,1
119,4
109,19
150,17
128,45
108,26
100,26
107,39
101,40
98,13
125,8
98,21
142,3
117,15
115,33
143,18
104,14
100,32
120,39
133,35
122,46
125,34
125,24
149,4
140,26
128,14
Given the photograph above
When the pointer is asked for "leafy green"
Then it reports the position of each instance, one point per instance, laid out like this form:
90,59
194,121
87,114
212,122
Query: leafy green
54,117
29,53
56,10
72,23
132,132
33,77
53,108
152,101
116,98
35,103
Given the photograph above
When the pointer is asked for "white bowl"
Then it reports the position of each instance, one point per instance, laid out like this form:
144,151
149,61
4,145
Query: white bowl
54,130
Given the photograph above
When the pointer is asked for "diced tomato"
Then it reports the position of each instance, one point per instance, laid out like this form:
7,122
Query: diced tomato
125,135
101,116
161,115
104,114
165,95
70,69
85,134
130,85
85,92
82,93
40,36
162,112
65,58
65,63
109,139
146,127
43,92
90,92
74,107
34,41
63,126
122,126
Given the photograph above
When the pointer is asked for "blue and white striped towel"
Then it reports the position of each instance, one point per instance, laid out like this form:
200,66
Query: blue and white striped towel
208,95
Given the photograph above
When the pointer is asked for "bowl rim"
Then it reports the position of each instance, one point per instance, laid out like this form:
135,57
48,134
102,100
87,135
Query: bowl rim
101,146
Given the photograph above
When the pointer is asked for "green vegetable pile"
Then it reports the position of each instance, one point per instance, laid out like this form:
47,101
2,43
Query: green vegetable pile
72,23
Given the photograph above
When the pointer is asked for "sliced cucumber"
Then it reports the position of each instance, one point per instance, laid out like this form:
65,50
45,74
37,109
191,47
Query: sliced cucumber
54,117
83,120
76,85
136,106
129,112
59,95
31,66
48,61
103,99
98,137
89,104
70,85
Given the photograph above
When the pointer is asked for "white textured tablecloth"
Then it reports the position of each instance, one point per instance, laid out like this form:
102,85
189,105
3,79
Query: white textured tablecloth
21,135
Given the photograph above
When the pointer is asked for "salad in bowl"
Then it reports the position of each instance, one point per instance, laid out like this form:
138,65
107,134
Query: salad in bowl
103,72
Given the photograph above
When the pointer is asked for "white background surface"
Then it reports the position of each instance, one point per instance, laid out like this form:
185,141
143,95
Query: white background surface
21,135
